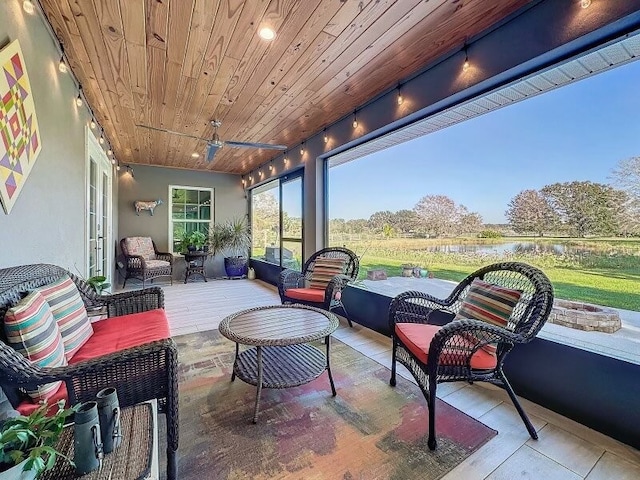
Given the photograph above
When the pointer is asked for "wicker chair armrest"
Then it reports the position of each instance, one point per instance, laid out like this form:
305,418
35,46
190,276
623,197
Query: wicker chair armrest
456,342
135,301
291,279
139,373
336,285
166,256
415,307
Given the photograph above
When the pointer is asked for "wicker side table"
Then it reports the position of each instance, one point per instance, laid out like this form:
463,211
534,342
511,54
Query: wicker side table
132,460
280,356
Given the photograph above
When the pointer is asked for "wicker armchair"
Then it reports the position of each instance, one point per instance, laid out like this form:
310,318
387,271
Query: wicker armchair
291,282
143,260
139,374
457,350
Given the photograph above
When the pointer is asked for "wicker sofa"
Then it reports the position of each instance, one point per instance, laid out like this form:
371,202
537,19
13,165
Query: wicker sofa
130,350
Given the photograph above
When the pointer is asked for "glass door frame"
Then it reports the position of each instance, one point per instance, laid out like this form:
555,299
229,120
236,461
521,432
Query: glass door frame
104,168
297,174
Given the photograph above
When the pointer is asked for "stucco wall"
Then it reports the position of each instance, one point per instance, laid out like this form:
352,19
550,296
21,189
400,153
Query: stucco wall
47,223
152,183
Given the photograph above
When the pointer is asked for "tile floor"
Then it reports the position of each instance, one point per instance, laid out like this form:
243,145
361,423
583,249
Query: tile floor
565,449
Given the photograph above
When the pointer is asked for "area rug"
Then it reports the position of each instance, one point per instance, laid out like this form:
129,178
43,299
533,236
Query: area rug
368,431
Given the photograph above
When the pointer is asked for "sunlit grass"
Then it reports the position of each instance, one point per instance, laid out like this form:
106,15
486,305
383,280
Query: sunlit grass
609,275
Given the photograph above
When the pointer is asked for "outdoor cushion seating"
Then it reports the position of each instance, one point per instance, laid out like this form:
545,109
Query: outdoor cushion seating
467,336
323,278
130,350
143,260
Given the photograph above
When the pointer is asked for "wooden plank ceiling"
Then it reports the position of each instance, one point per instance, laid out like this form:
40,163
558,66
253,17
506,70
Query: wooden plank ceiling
177,64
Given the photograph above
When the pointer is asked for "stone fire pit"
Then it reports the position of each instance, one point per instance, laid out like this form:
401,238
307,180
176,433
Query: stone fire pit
584,316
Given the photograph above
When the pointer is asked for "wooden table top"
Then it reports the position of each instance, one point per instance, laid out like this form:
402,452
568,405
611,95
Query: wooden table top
278,325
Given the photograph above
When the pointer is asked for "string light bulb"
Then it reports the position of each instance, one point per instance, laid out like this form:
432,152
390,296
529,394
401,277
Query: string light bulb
113,161
465,65
28,7
79,102
101,140
243,181
286,159
118,167
302,148
271,167
585,3
399,98
62,66
92,124
250,178
109,152
325,137
355,120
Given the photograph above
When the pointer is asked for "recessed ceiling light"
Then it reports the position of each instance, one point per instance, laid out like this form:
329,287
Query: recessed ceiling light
267,33
195,154
28,6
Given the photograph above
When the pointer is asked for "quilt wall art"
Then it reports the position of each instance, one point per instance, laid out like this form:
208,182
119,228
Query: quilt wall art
19,133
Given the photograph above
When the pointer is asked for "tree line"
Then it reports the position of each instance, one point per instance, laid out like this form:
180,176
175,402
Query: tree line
578,208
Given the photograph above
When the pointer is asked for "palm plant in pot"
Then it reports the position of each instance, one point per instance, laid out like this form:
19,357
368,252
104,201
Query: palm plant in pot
27,443
232,237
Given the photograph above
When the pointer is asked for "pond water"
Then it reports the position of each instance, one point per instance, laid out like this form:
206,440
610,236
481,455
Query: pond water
509,247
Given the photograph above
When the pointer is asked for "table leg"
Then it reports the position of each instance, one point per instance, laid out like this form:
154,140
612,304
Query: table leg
259,387
327,341
235,361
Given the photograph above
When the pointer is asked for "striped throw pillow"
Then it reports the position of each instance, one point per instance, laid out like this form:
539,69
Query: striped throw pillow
69,312
31,330
489,303
324,270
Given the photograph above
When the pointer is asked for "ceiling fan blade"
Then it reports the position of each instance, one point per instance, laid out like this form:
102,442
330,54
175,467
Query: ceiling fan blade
171,131
212,148
267,146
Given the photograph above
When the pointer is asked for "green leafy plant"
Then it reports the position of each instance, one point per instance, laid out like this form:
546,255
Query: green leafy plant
98,283
194,239
33,439
233,236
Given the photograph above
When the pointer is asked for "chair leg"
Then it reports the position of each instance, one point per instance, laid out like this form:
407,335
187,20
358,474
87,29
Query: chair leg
392,380
125,281
431,403
172,465
516,403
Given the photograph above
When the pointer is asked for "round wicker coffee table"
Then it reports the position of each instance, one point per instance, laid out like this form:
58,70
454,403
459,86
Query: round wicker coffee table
280,356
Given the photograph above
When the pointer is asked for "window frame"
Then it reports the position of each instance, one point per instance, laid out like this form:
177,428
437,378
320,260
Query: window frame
171,220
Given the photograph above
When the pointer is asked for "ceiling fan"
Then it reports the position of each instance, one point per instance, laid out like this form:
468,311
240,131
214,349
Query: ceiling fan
214,143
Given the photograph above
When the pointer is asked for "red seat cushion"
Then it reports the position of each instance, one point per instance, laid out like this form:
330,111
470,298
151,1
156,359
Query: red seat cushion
417,338
306,294
113,335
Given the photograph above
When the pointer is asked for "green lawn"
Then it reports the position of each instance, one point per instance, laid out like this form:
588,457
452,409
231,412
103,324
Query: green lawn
609,278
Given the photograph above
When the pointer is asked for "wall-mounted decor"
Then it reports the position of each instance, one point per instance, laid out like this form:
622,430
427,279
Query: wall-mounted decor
20,142
140,205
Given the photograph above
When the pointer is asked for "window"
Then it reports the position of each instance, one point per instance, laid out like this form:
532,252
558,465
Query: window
190,211
276,222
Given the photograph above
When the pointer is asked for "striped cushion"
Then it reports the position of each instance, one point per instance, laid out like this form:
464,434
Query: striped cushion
70,314
324,270
31,330
489,303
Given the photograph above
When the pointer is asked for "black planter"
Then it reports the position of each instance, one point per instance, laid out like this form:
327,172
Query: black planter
235,266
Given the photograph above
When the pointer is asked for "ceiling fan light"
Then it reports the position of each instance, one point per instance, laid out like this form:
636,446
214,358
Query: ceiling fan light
267,33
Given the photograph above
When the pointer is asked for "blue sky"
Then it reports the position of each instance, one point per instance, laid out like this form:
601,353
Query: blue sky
578,132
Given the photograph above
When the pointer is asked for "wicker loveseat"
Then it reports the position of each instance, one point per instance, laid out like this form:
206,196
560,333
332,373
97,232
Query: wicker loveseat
130,350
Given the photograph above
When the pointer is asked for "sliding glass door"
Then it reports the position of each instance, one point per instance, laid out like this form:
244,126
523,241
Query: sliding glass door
276,221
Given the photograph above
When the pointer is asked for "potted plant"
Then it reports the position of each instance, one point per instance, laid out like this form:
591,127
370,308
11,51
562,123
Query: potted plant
232,237
98,283
193,241
27,443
